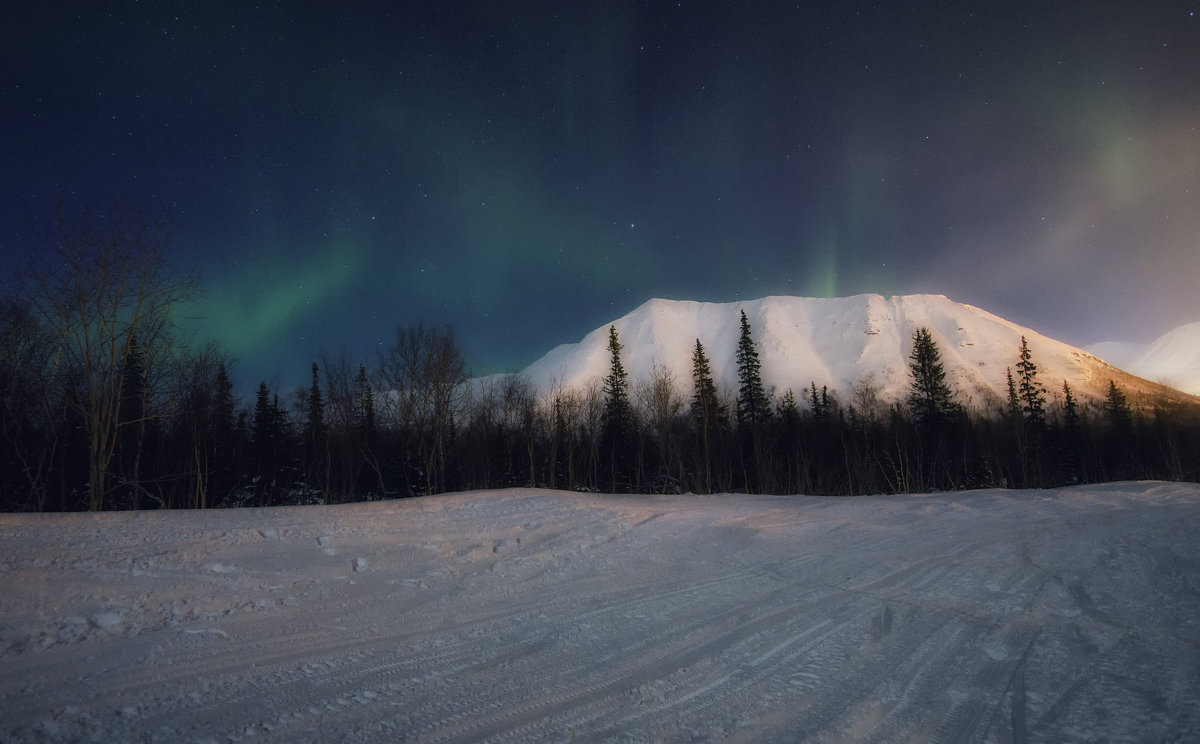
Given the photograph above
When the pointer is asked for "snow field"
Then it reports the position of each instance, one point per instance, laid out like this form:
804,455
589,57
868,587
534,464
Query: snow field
523,615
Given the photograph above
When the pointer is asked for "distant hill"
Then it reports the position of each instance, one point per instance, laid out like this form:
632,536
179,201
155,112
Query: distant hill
1173,359
840,343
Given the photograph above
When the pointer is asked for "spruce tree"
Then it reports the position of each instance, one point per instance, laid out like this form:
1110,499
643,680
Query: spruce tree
1032,394
616,383
314,422
704,397
223,404
1014,403
364,403
228,441
618,414
930,400
819,402
1117,410
705,409
753,409
365,433
267,432
789,410
317,463
1119,457
264,419
1070,409
1071,438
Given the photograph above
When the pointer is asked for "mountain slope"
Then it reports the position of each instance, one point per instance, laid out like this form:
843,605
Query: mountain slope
1174,358
837,342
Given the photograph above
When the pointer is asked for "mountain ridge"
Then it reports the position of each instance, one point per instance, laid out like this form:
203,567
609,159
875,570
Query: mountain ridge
1173,358
844,344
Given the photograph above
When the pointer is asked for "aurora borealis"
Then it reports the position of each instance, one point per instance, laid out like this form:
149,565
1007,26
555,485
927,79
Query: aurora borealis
529,171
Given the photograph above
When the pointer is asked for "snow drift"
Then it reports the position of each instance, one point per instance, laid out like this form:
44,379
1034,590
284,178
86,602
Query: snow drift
1059,615
837,343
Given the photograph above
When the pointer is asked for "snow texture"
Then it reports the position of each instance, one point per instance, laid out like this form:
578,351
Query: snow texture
833,342
1173,359
1059,615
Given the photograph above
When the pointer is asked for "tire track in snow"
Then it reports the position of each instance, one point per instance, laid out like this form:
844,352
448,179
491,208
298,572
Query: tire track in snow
663,604
865,620
530,719
461,657
445,659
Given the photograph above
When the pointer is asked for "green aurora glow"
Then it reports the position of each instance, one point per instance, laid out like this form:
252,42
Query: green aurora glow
527,173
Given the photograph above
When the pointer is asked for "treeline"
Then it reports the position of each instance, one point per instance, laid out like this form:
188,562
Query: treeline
103,407
649,438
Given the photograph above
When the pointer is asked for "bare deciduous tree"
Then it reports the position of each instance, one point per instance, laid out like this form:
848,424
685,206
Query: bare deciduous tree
423,375
103,289
29,405
562,414
661,406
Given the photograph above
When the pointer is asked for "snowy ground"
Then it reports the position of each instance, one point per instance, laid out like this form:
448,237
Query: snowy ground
1062,615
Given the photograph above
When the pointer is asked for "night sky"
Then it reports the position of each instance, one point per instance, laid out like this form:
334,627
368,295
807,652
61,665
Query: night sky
528,171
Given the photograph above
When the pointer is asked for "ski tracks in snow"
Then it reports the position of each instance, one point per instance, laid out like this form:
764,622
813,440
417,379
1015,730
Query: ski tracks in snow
547,616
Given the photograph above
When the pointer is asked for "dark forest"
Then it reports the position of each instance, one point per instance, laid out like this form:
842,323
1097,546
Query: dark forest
104,406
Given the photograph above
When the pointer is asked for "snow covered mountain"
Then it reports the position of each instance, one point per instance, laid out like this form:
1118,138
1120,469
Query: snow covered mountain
1173,359
839,342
